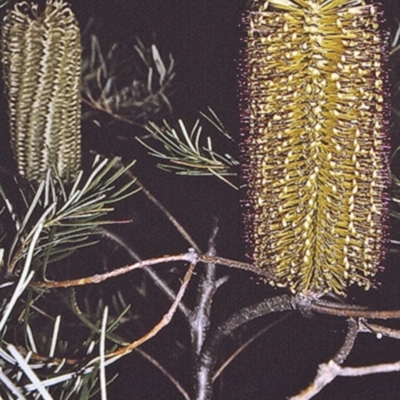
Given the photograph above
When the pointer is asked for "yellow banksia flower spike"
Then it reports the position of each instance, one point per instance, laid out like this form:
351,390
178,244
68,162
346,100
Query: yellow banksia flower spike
41,56
314,121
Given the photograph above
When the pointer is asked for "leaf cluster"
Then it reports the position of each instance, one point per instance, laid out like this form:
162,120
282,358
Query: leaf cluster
69,214
57,218
129,84
188,152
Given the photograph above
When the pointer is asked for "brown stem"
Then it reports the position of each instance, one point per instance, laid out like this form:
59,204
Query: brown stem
164,321
351,312
95,279
170,217
163,286
174,381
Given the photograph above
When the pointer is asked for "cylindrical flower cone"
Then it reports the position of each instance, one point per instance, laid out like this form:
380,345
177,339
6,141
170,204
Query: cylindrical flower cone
41,55
314,121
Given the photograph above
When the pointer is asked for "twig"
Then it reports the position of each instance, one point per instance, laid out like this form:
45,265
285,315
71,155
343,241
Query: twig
205,366
175,382
378,330
199,318
131,346
170,294
170,217
370,369
238,264
191,256
348,344
118,240
303,303
351,311
225,364
325,375
164,321
163,286
97,278
327,372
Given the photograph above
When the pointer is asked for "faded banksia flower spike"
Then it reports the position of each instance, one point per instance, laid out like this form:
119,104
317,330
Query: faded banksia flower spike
314,121
41,55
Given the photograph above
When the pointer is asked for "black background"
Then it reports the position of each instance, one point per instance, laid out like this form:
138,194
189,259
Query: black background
203,37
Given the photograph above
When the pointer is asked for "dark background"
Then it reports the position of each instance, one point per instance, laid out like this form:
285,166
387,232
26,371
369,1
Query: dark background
203,37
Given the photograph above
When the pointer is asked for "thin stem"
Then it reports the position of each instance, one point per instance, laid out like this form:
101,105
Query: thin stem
327,372
348,344
98,278
261,332
175,382
239,265
191,256
164,321
199,319
170,217
207,360
352,312
378,330
153,331
163,286
370,369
